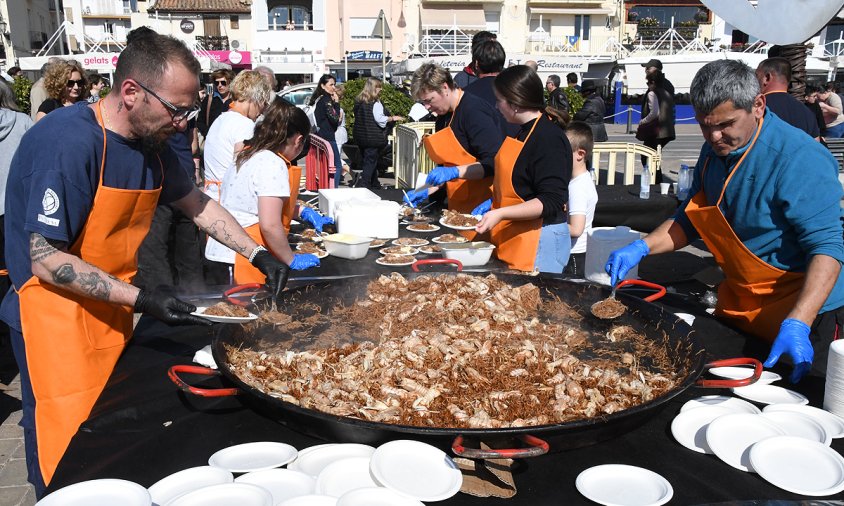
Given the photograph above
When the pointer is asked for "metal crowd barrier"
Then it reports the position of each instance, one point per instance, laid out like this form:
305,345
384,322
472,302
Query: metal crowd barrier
319,165
631,153
409,155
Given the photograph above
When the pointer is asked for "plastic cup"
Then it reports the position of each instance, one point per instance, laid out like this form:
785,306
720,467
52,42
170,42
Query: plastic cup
674,187
663,188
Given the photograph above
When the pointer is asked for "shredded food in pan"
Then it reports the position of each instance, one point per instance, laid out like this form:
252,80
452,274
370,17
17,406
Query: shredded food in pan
459,351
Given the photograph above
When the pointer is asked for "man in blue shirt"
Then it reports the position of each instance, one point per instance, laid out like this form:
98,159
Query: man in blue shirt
765,199
82,188
774,74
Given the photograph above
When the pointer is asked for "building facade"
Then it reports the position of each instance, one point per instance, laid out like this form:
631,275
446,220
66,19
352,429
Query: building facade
25,28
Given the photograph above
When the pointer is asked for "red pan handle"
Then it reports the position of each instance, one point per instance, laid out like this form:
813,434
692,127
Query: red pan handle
728,383
173,374
536,448
434,261
638,282
229,295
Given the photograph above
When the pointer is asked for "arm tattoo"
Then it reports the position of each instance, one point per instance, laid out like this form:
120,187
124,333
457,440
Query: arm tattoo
95,285
218,231
41,248
64,274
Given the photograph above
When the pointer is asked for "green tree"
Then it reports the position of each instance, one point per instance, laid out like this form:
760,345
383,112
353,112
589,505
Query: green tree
22,86
393,99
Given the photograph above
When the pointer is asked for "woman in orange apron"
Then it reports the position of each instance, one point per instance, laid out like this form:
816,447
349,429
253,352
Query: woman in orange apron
527,219
261,191
466,140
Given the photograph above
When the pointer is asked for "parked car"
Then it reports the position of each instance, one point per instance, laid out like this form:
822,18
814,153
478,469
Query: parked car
298,94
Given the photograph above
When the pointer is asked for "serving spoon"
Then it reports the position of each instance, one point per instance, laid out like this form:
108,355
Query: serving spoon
613,308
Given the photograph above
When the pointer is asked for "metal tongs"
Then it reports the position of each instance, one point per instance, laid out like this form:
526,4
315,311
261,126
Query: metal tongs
256,292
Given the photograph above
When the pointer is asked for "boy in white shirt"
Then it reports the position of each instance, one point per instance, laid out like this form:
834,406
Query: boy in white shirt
582,196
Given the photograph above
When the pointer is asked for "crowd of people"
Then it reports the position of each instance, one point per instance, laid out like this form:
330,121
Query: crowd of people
87,223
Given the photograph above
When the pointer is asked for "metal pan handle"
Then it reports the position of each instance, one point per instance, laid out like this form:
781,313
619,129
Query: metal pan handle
638,282
728,383
230,294
173,374
535,448
434,261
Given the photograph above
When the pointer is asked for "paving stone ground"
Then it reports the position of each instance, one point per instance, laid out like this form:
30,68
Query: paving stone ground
14,489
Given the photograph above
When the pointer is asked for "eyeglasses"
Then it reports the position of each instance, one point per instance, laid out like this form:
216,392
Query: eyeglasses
79,82
426,102
178,114
221,83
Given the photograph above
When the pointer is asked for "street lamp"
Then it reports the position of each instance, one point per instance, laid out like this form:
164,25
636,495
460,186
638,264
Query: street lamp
346,65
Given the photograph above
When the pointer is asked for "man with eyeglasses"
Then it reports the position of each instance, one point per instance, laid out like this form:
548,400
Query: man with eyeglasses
83,186
217,102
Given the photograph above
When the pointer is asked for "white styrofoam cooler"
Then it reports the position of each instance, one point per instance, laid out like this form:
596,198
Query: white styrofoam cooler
330,197
368,218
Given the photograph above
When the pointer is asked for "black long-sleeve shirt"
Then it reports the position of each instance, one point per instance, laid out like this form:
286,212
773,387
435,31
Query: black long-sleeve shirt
543,169
477,128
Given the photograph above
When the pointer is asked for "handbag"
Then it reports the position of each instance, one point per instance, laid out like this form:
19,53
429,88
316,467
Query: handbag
648,131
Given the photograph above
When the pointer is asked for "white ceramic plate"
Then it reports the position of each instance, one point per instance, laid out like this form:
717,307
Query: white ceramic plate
431,228
621,485
733,403
223,319
439,240
689,427
380,261
293,466
99,493
343,476
377,243
248,457
413,242
770,394
731,436
310,500
799,425
227,494
416,469
312,463
410,250
376,497
283,484
799,466
323,253
443,223
426,250
766,378
833,424
187,480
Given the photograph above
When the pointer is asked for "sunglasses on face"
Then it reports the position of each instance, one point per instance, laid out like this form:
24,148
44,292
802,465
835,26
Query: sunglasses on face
177,114
79,82
221,83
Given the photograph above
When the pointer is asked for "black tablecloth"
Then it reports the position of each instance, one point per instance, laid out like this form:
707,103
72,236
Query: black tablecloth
620,205
142,429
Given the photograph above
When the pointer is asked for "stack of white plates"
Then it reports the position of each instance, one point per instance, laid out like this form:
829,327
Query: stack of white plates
833,396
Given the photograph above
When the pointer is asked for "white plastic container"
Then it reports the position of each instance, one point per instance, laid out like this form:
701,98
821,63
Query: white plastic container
330,197
352,247
368,218
469,253
600,242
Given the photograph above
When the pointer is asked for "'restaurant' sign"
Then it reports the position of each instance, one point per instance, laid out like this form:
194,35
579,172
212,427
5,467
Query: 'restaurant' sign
187,26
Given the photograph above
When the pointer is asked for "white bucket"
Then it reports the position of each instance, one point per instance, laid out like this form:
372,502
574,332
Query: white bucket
600,242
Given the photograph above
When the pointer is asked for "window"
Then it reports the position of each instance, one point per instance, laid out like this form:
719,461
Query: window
361,28
663,14
582,24
234,21
492,21
288,17
108,27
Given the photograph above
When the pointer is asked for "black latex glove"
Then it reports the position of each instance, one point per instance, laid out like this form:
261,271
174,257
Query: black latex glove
161,304
274,269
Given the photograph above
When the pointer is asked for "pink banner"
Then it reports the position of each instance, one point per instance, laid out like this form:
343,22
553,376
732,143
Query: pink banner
239,58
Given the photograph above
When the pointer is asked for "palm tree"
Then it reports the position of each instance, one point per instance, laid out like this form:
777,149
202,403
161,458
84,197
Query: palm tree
796,56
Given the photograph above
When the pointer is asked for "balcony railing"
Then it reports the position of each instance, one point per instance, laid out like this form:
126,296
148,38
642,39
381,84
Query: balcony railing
445,44
652,33
106,10
214,43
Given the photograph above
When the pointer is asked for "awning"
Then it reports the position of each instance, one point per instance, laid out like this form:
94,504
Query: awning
447,18
552,10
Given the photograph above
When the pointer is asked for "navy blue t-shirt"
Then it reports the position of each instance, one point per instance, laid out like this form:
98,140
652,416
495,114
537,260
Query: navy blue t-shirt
476,127
54,176
793,112
484,89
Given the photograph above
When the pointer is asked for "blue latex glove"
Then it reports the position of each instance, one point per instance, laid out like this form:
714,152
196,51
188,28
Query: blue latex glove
483,207
622,260
440,175
304,261
415,197
315,219
793,340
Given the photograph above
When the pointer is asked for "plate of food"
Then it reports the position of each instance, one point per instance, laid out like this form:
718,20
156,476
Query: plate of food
395,260
414,242
312,248
377,243
312,235
459,221
431,249
399,250
223,312
416,218
423,227
449,239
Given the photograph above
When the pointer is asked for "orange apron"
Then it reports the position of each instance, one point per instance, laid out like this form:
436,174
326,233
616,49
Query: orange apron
516,241
464,195
755,296
73,342
244,272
